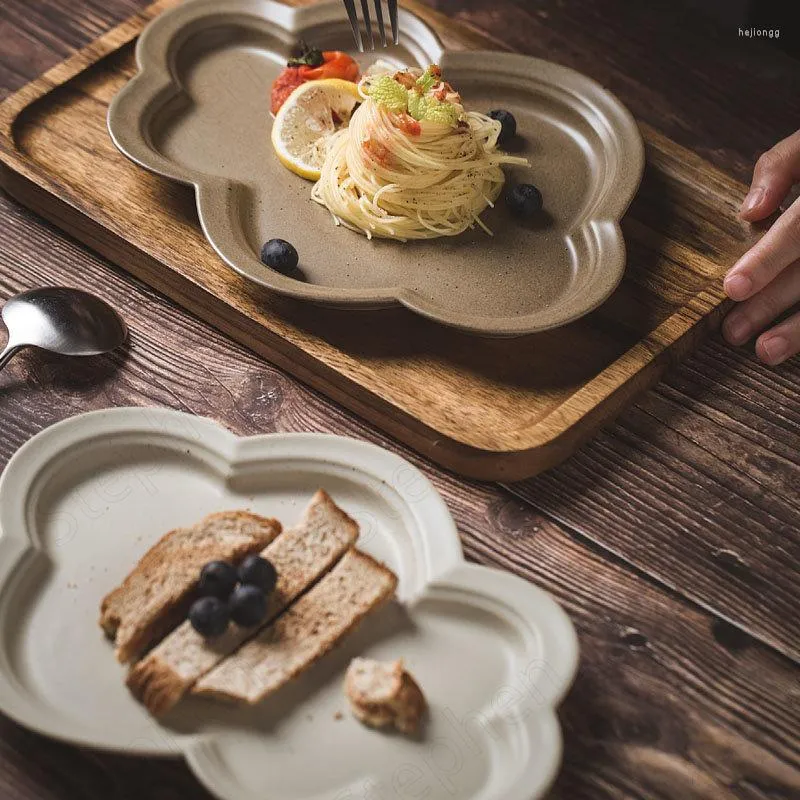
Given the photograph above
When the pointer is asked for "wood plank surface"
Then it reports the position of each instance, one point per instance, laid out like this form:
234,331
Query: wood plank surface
488,408
688,685
669,698
725,97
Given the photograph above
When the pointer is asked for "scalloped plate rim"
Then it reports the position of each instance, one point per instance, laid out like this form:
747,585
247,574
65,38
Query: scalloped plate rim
155,80
446,568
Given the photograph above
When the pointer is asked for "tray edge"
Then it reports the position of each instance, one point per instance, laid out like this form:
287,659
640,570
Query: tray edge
547,445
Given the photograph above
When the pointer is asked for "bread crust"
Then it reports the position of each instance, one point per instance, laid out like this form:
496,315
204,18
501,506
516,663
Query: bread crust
301,636
301,556
156,686
155,595
381,695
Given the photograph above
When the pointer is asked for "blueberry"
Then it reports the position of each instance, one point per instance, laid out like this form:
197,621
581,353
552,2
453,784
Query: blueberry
257,571
524,200
508,122
209,616
217,579
247,606
280,255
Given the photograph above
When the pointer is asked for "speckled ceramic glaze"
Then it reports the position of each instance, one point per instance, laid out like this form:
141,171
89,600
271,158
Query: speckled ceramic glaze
198,112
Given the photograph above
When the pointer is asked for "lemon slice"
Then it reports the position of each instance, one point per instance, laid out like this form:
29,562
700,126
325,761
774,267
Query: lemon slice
311,114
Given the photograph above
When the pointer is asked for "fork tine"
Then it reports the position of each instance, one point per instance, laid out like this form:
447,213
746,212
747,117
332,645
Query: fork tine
379,17
393,18
353,17
368,23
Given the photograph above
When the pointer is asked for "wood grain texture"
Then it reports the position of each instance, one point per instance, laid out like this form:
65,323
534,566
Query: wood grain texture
427,384
692,78
718,500
675,699
671,701
489,408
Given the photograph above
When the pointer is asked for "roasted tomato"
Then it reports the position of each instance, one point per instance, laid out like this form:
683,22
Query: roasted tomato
312,65
336,65
407,124
378,151
284,85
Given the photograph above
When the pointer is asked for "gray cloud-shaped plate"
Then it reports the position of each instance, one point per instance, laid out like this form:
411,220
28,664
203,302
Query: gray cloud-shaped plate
198,112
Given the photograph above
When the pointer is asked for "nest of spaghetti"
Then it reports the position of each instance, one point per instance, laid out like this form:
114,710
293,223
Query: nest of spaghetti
413,163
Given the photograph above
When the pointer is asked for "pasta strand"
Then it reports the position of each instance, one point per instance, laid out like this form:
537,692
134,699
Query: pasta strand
382,181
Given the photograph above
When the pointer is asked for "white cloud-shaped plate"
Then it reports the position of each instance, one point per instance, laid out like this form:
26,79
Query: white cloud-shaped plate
84,499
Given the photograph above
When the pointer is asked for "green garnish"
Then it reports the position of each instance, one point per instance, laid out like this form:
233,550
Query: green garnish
309,57
417,105
387,92
423,107
420,105
444,113
427,81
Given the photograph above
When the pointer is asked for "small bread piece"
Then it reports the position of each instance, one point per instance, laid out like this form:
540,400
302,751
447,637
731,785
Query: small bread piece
152,599
301,556
304,633
383,694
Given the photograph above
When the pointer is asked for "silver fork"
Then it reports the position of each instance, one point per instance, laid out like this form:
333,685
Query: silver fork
352,14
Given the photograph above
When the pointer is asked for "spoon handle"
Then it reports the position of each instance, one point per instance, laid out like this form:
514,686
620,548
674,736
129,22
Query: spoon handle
7,354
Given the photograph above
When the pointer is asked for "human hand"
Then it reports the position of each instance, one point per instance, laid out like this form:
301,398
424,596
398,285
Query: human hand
766,279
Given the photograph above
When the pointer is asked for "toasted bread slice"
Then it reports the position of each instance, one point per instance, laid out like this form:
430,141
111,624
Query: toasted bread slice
384,694
153,598
301,556
304,633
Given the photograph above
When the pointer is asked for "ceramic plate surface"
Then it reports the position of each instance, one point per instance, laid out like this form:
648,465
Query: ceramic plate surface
198,112
83,500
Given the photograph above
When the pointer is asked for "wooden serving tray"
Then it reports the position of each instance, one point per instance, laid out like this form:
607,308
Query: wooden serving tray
488,408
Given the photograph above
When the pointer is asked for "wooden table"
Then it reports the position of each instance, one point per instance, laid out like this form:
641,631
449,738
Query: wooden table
673,539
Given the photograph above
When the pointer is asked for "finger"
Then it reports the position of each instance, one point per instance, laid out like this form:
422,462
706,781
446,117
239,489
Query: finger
752,316
779,246
774,174
780,343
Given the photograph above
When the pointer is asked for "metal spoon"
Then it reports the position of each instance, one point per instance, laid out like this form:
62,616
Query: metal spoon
66,321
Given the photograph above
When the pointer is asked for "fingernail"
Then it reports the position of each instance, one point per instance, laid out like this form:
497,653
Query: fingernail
776,348
737,286
754,197
737,331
